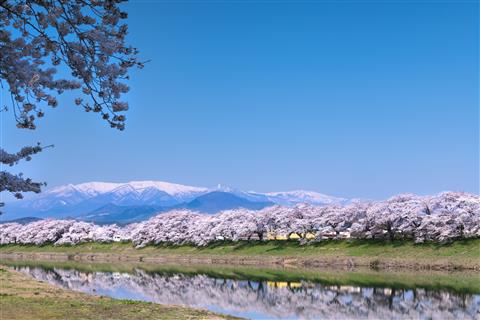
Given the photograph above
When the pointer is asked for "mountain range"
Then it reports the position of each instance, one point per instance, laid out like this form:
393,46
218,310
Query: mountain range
104,202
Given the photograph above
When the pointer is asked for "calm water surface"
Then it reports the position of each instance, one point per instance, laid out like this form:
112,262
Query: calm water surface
248,295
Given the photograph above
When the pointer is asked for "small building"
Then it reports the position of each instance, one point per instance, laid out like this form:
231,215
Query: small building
310,235
329,235
344,235
293,236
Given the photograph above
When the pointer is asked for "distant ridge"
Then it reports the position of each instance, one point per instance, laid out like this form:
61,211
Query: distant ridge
25,220
215,201
106,202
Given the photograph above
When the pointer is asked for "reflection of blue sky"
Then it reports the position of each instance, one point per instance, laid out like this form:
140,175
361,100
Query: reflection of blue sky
408,295
114,292
123,293
248,315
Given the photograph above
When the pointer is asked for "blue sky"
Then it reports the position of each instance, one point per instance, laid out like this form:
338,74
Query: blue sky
354,99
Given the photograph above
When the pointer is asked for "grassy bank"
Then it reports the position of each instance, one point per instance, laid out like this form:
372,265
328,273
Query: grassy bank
25,298
459,254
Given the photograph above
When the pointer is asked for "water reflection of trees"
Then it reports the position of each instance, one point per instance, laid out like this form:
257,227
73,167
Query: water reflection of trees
277,299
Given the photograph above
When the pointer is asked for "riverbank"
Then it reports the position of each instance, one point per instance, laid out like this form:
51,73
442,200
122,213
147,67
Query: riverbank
25,298
463,254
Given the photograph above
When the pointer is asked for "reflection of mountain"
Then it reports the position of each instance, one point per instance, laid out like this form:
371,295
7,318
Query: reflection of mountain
269,299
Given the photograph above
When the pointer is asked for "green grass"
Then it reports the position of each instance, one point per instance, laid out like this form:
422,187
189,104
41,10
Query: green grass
354,248
469,247
24,298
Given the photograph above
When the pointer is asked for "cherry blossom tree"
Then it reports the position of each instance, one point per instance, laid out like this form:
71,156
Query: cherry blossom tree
85,40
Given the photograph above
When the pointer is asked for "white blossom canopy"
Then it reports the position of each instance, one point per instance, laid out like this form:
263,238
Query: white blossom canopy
446,217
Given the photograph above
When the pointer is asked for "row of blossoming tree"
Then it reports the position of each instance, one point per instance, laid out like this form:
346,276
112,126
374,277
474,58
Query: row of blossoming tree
442,218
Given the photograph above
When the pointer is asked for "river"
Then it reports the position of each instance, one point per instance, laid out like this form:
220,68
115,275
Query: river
256,293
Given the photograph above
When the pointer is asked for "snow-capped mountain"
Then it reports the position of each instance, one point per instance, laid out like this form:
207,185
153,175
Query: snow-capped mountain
91,189
72,200
87,201
289,198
